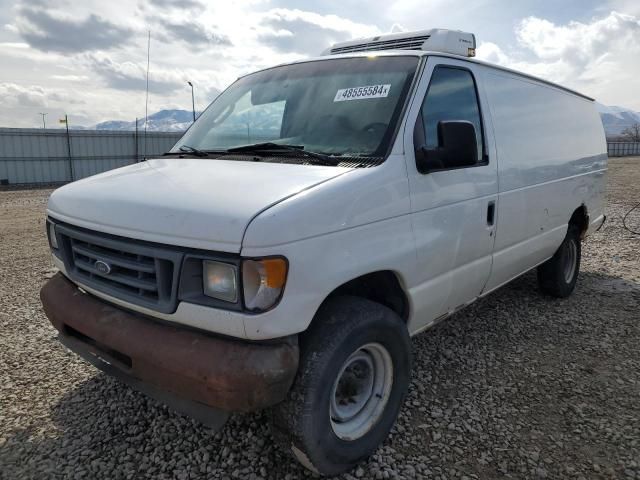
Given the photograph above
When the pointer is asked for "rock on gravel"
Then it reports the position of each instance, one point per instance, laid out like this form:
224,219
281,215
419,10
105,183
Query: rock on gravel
516,386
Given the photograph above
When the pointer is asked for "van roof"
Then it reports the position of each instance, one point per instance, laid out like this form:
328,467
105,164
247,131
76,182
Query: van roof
428,53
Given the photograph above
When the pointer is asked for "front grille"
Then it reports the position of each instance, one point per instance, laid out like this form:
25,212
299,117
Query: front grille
135,274
412,43
129,270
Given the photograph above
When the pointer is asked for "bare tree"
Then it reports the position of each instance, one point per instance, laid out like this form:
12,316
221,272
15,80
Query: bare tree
632,133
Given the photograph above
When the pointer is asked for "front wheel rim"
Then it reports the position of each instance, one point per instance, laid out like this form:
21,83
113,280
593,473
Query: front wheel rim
570,261
361,391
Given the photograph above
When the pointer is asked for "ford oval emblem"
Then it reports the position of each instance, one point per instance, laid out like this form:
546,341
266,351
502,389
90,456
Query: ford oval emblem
102,267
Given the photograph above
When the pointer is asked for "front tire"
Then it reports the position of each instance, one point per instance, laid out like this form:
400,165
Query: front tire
558,275
352,378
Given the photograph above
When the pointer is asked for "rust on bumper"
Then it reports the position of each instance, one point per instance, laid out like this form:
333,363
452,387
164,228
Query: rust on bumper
222,373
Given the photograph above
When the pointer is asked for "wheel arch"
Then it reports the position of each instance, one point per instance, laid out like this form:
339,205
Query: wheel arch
382,286
580,218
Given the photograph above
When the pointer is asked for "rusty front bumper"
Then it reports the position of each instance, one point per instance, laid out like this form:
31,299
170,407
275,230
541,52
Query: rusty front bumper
222,373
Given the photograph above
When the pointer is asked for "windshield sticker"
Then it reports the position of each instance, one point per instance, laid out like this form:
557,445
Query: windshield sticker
358,93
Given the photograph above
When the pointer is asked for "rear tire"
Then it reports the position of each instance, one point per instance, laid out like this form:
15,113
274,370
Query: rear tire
353,375
558,275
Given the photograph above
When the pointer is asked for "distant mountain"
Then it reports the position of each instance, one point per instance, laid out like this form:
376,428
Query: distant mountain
162,121
614,120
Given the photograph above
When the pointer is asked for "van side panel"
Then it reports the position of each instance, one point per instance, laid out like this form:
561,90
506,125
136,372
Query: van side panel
551,160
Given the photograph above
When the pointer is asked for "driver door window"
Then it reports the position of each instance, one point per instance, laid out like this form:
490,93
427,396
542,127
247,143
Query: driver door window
451,96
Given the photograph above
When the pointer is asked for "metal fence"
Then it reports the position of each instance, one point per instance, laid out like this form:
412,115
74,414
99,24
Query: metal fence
32,156
623,149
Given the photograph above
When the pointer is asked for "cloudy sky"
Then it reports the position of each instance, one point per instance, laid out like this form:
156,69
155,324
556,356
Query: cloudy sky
88,58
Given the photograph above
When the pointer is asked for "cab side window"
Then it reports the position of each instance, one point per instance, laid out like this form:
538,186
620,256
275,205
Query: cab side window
451,96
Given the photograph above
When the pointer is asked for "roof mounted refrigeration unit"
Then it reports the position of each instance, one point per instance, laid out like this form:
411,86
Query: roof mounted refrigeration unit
436,40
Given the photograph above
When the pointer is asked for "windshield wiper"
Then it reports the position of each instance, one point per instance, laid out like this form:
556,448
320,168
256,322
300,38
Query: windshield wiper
273,147
194,151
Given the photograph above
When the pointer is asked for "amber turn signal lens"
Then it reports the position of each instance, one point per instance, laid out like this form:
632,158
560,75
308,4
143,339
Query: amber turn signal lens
263,282
276,272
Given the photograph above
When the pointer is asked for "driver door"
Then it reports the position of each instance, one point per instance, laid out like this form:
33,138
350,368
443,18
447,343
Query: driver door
453,210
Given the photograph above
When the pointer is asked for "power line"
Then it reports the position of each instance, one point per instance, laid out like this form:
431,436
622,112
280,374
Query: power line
624,220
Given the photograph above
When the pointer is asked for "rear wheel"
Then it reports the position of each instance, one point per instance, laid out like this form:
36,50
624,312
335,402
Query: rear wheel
558,275
352,379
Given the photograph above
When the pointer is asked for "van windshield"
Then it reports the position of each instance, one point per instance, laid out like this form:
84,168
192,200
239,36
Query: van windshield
347,106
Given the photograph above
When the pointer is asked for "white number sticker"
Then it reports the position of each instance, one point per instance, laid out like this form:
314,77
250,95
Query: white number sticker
358,93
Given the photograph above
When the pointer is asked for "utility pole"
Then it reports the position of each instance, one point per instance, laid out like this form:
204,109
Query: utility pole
66,123
44,125
193,101
146,102
135,140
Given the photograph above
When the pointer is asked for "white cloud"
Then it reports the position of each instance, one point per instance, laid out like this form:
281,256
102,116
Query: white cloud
19,45
71,78
490,52
579,43
212,43
131,75
308,32
14,95
597,58
329,22
61,33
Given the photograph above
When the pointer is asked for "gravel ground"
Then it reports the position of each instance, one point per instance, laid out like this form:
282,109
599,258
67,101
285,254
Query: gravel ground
515,386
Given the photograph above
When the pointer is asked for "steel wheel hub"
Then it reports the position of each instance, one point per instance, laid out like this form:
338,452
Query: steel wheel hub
570,261
361,391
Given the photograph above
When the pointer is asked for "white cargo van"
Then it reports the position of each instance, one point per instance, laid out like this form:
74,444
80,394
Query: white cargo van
315,217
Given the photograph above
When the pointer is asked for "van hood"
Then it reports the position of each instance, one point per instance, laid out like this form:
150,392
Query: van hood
198,203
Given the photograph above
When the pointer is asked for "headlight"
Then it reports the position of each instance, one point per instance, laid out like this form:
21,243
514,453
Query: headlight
219,281
263,282
53,241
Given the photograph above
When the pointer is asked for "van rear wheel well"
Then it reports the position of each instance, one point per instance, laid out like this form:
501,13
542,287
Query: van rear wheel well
381,287
580,219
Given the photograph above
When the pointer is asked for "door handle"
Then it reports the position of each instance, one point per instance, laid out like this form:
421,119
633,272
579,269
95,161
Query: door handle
491,213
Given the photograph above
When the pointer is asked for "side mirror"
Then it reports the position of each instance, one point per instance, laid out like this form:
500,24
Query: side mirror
457,147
